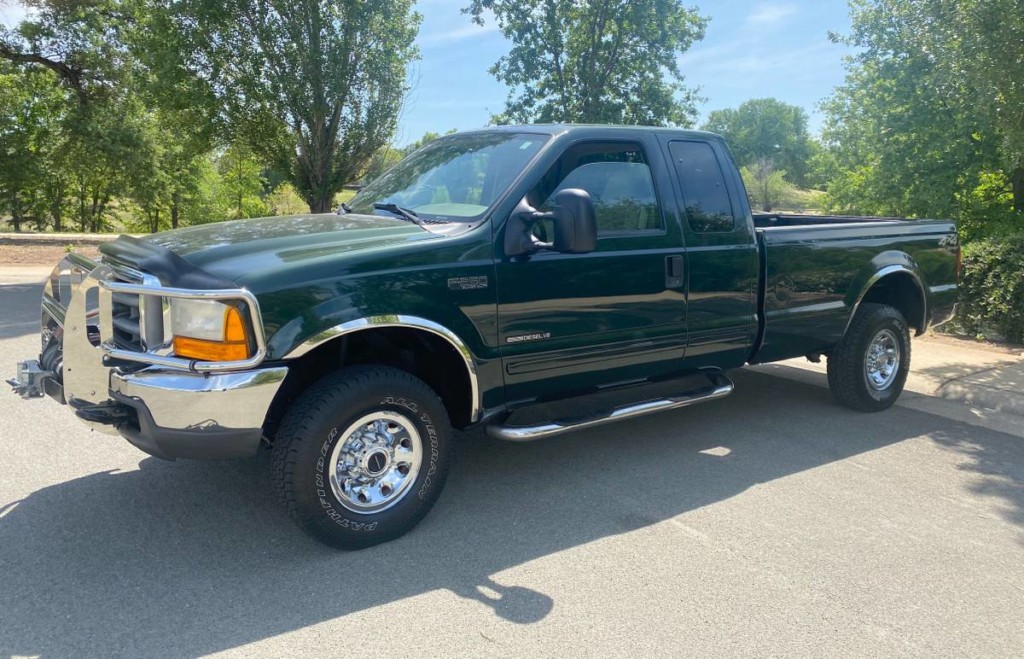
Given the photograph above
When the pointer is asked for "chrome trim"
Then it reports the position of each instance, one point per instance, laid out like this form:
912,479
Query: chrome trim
148,290
191,401
83,263
875,278
721,386
84,375
53,309
414,322
375,462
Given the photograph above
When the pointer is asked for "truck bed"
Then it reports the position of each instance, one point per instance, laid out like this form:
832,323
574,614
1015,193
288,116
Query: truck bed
814,268
772,220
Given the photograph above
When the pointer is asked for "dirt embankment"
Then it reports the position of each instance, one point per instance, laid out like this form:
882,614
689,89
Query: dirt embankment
46,249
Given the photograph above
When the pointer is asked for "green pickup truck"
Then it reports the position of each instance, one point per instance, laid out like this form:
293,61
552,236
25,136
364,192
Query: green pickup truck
533,280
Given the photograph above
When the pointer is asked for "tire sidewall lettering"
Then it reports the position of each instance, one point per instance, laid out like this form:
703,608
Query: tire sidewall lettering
325,495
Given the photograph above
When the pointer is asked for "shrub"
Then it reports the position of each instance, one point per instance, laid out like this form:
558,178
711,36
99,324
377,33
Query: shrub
992,287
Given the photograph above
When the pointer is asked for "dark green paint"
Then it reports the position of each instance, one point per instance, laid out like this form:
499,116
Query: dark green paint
611,314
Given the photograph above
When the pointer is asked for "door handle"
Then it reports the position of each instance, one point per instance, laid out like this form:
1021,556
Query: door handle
674,271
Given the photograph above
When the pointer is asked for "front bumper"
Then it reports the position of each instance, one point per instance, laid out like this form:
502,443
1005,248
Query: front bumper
165,410
191,415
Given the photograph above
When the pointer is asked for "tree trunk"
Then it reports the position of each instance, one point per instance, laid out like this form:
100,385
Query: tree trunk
16,218
81,206
174,216
1017,183
321,201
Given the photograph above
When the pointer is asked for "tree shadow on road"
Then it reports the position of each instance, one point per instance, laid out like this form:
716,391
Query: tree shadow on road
963,381
190,558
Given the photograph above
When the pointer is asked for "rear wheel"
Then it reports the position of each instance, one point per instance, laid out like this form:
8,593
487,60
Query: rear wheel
868,368
362,456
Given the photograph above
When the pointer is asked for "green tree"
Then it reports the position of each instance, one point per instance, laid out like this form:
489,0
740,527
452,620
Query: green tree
30,109
766,128
931,106
314,87
81,41
382,161
766,185
241,182
601,61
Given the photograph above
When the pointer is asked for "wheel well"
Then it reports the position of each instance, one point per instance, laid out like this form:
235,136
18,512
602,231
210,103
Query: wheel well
901,291
423,354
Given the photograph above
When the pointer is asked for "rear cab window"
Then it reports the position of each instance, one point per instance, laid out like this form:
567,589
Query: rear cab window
709,207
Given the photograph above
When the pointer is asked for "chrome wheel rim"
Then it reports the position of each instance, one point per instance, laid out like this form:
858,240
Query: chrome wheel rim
882,360
375,462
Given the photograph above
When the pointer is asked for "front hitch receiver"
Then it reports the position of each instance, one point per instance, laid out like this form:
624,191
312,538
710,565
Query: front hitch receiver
28,383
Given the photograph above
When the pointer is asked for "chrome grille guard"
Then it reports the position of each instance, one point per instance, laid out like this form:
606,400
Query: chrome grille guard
78,314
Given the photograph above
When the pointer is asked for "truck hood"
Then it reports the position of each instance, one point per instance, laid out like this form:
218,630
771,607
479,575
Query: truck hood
233,250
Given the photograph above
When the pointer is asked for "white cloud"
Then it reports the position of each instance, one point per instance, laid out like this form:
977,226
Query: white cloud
457,34
771,14
728,59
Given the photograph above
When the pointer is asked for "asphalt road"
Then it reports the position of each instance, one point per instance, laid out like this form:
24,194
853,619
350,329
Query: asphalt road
772,522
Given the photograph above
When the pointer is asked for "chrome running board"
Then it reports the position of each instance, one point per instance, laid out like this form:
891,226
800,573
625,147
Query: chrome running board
719,387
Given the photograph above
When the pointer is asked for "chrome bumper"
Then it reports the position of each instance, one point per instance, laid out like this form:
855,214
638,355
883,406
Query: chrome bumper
191,415
164,409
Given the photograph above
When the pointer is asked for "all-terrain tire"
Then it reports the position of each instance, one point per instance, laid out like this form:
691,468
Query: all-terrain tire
861,373
306,455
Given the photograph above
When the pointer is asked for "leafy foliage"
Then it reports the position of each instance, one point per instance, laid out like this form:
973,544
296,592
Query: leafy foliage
603,61
314,87
766,128
992,287
766,185
915,127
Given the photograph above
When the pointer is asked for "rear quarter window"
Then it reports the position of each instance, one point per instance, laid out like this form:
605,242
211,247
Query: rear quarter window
708,205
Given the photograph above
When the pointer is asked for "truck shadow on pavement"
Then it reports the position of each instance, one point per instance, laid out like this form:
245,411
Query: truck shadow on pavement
20,301
190,558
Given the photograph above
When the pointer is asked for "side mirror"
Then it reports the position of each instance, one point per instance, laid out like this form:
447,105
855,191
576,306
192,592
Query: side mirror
575,226
575,222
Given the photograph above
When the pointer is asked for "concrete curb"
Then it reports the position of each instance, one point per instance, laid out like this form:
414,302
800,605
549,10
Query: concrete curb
981,377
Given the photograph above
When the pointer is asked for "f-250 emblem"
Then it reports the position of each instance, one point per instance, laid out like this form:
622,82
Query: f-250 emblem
467,283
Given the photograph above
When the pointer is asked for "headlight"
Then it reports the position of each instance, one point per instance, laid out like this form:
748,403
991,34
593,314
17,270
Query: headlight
208,330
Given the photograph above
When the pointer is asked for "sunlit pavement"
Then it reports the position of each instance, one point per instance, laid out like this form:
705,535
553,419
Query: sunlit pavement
772,522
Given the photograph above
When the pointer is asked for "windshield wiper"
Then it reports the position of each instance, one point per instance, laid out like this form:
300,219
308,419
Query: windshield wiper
403,213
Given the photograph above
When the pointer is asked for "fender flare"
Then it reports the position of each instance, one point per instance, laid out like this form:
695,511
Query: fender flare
881,274
409,322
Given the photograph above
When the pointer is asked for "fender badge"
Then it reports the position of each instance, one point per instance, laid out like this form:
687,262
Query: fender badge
528,337
467,283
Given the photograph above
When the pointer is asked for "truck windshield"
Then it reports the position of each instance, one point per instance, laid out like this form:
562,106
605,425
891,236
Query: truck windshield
453,179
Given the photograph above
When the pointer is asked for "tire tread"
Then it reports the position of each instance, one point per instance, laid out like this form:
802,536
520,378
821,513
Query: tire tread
307,414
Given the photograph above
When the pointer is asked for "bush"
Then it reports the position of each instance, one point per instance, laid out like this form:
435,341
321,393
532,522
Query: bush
992,287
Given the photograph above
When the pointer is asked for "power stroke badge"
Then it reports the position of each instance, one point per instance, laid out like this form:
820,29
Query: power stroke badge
537,336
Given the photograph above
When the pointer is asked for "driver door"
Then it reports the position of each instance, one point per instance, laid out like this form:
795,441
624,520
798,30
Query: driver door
568,322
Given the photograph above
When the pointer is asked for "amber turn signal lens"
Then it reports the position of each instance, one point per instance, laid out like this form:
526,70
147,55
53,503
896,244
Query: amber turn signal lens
209,351
234,328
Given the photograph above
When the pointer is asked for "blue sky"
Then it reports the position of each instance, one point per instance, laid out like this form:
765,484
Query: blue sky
753,49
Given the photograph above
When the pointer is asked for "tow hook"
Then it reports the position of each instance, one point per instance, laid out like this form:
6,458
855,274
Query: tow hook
109,413
28,383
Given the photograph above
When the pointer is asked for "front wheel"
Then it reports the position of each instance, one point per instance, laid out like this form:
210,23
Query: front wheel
361,457
868,368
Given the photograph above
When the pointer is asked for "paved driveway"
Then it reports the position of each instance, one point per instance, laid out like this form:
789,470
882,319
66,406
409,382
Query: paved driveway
772,522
